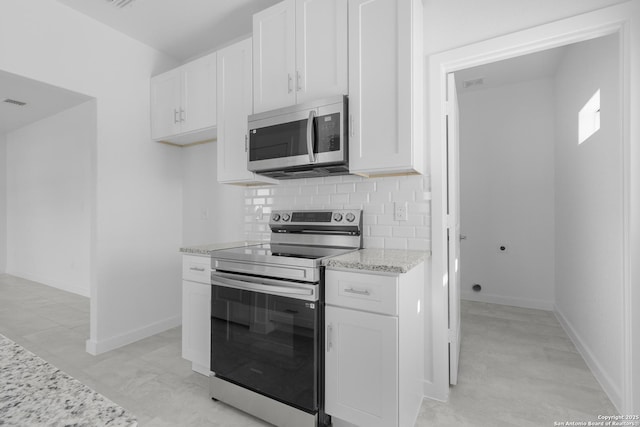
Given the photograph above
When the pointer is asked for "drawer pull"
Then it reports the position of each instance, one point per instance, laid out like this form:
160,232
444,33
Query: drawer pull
196,268
358,291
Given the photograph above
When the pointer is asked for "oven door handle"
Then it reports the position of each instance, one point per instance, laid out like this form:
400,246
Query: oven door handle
266,285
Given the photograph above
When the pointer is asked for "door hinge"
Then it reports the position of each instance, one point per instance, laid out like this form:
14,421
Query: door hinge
246,138
451,335
448,108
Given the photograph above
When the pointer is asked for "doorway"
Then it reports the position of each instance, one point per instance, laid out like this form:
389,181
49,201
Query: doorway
562,33
537,235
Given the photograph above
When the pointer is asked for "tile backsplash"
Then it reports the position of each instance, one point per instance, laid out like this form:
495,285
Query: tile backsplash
375,196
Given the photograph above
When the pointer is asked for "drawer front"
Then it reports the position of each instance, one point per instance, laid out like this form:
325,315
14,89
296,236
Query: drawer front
196,268
362,291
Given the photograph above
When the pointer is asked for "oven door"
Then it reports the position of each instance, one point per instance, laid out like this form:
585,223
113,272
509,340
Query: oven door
264,337
298,136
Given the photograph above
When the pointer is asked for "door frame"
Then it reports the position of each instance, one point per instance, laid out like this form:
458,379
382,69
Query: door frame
623,19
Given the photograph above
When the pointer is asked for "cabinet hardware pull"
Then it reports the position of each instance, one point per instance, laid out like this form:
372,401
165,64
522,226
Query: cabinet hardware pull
358,291
175,116
290,82
182,115
298,81
329,340
197,268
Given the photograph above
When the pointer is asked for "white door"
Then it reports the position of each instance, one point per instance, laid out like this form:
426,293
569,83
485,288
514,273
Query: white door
234,106
321,49
453,227
199,94
274,57
165,104
361,367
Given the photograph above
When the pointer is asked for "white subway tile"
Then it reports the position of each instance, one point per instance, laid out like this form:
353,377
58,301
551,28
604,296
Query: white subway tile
346,188
381,230
369,219
419,244
380,197
419,208
326,189
304,200
263,192
374,209
395,243
373,242
423,232
403,196
387,184
339,198
351,178
322,199
400,231
387,219
366,186
258,201
333,179
359,198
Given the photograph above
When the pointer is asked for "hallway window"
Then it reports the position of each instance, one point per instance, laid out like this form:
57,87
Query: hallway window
589,118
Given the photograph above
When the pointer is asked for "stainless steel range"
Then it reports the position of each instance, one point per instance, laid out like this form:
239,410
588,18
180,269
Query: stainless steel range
267,315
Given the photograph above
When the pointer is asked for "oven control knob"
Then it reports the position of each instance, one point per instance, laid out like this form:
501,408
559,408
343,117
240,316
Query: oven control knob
275,217
286,217
337,217
350,217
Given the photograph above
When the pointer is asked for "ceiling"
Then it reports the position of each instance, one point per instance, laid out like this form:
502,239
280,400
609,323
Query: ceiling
509,71
182,29
42,100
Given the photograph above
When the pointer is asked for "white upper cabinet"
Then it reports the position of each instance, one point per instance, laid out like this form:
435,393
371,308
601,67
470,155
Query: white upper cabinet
385,81
234,76
300,52
321,49
183,103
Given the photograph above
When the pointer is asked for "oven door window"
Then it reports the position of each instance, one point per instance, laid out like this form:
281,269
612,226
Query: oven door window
266,343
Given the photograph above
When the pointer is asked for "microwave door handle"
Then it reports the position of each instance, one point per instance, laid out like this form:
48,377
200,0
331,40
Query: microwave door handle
311,137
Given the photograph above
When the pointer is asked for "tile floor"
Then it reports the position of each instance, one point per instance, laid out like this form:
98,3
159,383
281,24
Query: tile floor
517,368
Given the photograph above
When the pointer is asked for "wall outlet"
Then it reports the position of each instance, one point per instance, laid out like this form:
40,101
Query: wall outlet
400,211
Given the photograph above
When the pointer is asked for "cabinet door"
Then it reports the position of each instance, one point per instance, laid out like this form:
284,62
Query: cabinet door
321,49
274,57
198,109
385,90
165,104
196,324
361,367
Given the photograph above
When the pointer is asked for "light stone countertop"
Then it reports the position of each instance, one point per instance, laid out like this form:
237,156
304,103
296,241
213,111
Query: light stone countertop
381,260
207,250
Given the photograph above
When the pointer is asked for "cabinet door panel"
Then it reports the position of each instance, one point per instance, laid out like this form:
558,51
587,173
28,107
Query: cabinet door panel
199,94
196,321
274,57
234,106
165,104
385,72
361,367
321,49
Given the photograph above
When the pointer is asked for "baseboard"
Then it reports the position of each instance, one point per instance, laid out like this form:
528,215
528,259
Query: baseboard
63,286
432,392
615,394
513,301
102,346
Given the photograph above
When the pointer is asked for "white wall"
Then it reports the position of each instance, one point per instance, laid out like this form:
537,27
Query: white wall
136,197
507,193
449,24
48,199
212,212
589,266
3,204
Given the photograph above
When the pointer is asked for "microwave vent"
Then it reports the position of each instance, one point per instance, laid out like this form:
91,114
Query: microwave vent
120,3
14,102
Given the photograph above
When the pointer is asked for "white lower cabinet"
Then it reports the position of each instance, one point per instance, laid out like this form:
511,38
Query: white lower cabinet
196,312
361,367
374,347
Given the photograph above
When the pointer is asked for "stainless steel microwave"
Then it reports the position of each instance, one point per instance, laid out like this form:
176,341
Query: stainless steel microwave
301,141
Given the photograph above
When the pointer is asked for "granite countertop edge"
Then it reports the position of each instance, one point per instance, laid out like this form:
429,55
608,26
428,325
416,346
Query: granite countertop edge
207,250
378,260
